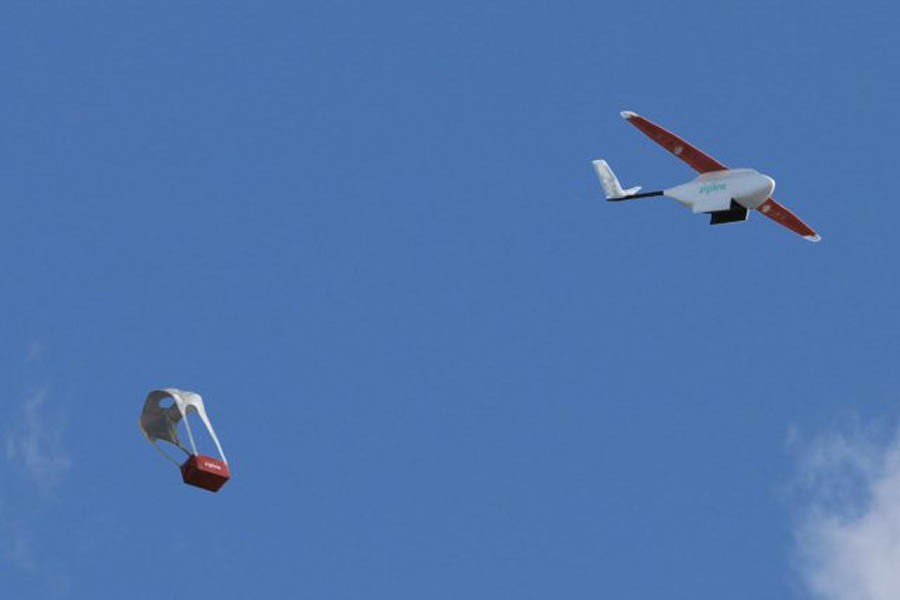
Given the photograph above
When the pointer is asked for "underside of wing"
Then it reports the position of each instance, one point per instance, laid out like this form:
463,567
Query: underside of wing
782,215
696,158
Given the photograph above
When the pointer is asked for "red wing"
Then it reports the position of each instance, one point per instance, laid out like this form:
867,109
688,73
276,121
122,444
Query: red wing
697,159
781,215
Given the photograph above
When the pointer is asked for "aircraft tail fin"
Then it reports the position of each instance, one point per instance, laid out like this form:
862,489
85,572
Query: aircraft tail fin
611,186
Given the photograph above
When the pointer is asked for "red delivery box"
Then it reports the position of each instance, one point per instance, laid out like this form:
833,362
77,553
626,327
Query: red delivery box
205,472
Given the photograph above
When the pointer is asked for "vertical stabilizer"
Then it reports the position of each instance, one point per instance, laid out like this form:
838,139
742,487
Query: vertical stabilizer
611,186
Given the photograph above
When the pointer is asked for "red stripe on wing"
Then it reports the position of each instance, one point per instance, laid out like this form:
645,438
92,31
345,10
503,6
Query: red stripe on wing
781,215
696,158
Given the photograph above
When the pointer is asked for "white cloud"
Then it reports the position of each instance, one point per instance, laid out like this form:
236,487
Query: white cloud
31,439
848,532
18,547
34,443
34,351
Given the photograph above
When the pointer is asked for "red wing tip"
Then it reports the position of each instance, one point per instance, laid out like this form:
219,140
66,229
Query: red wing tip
814,237
627,114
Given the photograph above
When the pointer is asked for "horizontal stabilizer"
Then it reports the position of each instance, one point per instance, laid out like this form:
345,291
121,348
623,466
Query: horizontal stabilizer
611,186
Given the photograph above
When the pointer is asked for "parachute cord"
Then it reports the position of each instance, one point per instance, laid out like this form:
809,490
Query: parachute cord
187,426
166,454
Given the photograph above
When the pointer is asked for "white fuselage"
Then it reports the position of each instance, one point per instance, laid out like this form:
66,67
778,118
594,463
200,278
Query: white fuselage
715,190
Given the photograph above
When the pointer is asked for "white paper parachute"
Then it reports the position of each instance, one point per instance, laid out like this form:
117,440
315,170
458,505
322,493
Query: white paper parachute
163,409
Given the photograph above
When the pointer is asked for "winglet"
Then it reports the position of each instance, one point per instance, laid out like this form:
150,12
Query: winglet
813,238
627,114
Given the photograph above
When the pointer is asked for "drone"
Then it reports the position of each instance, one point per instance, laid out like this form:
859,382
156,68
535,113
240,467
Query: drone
726,195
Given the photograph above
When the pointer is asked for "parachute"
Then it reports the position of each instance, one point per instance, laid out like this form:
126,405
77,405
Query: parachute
163,409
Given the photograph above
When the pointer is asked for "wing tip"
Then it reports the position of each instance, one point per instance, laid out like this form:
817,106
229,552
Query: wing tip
813,238
627,114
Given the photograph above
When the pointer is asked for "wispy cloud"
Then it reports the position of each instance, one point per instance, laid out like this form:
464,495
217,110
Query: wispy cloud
36,463
34,442
18,547
33,352
848,531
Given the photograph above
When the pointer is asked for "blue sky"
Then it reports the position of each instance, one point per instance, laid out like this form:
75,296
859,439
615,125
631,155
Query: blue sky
440,364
